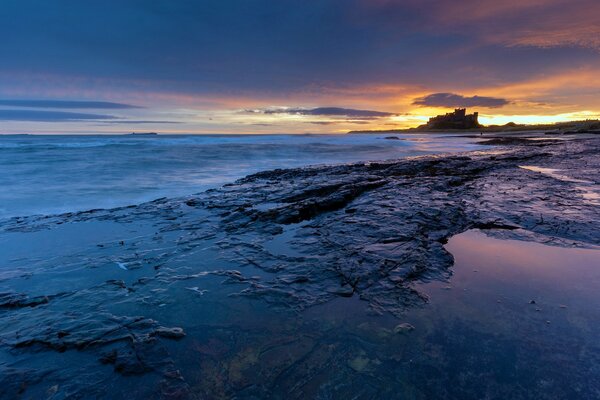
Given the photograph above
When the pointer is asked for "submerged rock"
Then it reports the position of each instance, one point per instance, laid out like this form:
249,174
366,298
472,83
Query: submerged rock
171,333
404,328
359,363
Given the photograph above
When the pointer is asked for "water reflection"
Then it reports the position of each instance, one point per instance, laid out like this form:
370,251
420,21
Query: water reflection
515,320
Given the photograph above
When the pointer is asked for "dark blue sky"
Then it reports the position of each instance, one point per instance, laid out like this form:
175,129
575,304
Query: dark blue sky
202,63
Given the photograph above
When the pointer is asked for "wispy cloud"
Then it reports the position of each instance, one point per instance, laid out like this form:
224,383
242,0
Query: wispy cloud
126,121
327,112
354,122
535,23
66,104
457,100
365,56
50,116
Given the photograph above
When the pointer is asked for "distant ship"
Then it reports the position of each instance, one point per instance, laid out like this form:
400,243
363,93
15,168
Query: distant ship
144,133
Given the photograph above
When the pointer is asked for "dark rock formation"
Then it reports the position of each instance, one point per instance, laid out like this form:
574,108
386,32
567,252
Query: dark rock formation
292,239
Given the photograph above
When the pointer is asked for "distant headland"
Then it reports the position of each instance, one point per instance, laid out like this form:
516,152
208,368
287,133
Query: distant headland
460,121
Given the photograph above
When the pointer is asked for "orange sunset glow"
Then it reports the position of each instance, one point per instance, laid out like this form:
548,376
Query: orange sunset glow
526,62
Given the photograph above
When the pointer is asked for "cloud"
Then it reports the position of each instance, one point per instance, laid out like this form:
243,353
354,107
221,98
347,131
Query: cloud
74,104
457,100
528,23
328,112
50,116
362,54
322,122
126,121
336,122
573,35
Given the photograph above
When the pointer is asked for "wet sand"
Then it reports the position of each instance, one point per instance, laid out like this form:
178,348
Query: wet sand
461,276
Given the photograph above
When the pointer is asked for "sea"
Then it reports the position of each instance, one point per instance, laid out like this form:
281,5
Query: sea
50,174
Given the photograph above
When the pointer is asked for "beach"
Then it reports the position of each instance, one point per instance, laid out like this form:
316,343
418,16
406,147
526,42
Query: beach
469,273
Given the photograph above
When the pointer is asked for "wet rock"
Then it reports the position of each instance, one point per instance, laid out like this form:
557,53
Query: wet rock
494,225
15,381
171,333
192,203
403,328
19,300
136,360
504,141
370,230
343,291
359,363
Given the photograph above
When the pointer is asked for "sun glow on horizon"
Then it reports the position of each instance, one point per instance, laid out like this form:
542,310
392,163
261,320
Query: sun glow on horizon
499,119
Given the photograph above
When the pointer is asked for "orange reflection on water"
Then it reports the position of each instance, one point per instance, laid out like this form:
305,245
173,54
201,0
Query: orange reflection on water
524,270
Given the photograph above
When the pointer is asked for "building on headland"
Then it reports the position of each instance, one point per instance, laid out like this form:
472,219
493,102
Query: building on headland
454,120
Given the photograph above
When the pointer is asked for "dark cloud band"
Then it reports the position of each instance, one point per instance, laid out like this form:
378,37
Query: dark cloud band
67,104
128,121
457,100
327,112
50,116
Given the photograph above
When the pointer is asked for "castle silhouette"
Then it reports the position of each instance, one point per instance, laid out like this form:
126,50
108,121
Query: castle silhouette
454,120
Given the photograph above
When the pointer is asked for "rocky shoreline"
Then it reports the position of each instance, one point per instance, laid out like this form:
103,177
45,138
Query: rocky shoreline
292,239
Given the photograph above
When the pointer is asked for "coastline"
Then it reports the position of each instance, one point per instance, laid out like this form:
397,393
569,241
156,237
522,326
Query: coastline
188,164
291,240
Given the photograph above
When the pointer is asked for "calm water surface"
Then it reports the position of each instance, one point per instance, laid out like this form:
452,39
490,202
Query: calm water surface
516,320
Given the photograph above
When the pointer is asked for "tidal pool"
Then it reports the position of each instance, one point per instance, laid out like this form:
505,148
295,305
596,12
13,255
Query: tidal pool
515,320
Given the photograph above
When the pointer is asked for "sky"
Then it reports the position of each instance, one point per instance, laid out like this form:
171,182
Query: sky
293,66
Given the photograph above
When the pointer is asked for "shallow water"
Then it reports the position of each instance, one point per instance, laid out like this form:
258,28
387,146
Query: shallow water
480,335
515,320
52,174
589,190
